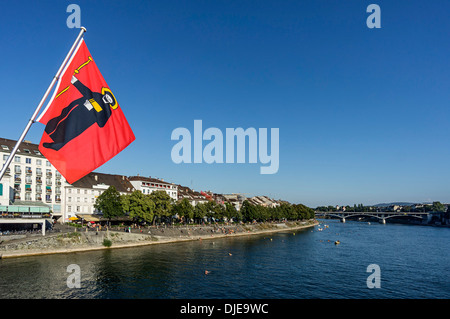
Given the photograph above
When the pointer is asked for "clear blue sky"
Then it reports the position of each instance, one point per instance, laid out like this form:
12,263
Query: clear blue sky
363,113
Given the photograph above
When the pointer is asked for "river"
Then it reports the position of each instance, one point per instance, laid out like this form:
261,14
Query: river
414,262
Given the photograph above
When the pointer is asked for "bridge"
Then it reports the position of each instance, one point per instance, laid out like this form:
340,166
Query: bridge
382,216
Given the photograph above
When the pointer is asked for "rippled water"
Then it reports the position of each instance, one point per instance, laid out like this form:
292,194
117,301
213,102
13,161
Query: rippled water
414,263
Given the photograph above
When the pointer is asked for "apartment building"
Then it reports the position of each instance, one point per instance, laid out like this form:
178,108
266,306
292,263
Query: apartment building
263,201
147,185
30,180
80,196
192,196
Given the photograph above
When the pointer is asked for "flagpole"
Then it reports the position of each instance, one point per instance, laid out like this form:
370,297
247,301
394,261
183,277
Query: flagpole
41,103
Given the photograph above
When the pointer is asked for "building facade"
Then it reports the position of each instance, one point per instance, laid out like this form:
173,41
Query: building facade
30,180
80,196
147,185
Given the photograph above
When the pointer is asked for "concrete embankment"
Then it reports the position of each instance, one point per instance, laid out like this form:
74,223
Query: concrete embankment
91,240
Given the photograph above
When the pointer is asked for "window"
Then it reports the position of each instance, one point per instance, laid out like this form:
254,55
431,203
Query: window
69,191
38,162
37,153
17,159
4,147
78,209
69,209
26,151
28,160
48,163
69,199
5,157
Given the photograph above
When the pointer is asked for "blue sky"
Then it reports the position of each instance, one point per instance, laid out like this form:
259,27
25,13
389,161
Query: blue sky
363,113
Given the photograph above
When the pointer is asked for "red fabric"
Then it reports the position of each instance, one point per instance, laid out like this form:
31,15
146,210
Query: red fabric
95,145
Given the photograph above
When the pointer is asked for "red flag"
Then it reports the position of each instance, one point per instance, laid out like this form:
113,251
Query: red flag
84,125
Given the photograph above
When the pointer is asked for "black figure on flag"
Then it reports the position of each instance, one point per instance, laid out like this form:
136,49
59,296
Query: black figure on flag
79,115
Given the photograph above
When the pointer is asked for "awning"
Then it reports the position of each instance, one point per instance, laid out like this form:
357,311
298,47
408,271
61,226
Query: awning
89,218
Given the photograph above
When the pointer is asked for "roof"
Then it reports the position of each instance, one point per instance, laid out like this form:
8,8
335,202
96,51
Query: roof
29,203
25,148
148,179
120,182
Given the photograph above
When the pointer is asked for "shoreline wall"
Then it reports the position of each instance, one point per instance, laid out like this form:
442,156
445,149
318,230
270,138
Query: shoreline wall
89,241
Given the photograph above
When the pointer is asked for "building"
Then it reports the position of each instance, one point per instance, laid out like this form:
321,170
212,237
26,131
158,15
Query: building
80,196
192,196
263,201
235,199
147,185
31,180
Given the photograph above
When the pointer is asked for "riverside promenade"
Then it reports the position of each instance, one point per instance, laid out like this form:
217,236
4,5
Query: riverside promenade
82,240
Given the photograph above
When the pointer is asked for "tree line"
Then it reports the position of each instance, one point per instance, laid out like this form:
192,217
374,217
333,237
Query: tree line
160,207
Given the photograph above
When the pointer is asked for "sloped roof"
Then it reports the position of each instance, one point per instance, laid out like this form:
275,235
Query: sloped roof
148,179
120,182
25,148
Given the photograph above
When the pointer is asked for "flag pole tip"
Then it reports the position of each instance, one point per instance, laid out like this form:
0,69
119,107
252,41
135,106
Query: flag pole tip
83,28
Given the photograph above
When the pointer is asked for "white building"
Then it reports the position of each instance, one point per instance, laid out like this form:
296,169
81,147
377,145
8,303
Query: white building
31,180
80,196
147,185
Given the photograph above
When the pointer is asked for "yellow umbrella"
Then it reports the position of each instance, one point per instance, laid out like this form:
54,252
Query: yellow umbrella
73,218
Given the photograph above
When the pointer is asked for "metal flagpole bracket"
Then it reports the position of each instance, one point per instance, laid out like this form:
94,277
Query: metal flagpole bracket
41,103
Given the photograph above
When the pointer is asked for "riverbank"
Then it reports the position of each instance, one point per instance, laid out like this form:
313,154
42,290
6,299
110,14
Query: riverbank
91,240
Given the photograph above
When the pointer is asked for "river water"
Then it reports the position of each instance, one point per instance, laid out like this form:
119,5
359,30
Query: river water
414,262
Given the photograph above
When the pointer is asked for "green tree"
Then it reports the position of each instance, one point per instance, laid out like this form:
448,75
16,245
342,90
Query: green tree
200,211
230,211
248,211
140,206
438,207
163,203
184,209
109,203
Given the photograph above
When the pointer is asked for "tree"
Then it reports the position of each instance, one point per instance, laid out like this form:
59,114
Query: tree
140,206
163,203
200,211
109,203
184,209
230,211
438,207
248,211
